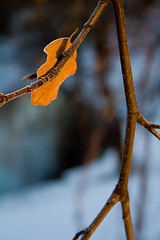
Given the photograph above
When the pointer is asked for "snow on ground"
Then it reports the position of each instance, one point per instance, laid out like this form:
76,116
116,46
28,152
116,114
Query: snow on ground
54,210
49,211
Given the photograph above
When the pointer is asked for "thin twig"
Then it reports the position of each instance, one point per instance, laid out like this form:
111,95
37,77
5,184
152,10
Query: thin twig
10,96
148,125
114,198
154,132
153,125
78,234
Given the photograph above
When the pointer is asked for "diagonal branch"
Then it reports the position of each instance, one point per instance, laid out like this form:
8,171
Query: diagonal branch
54,72
113,199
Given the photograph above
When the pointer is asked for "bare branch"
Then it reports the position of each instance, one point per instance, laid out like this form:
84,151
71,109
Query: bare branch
153,125
129,88
132,109
78,234
148,125
124,56
10,96
127,217
114,198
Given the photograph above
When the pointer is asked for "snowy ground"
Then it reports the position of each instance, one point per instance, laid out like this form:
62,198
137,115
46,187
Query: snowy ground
55,211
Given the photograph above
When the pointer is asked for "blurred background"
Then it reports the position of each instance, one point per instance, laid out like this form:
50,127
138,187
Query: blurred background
87,120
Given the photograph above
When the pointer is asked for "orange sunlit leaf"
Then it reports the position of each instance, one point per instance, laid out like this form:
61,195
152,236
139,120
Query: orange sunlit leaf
49,90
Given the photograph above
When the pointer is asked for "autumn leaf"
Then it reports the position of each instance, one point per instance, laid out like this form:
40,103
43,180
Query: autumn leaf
49,90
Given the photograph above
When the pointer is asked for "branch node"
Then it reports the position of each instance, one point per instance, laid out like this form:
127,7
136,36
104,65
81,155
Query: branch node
87,25
29,77
148,125
3,97
78,234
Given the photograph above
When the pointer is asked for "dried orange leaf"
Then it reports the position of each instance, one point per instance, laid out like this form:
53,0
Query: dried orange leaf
49,90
